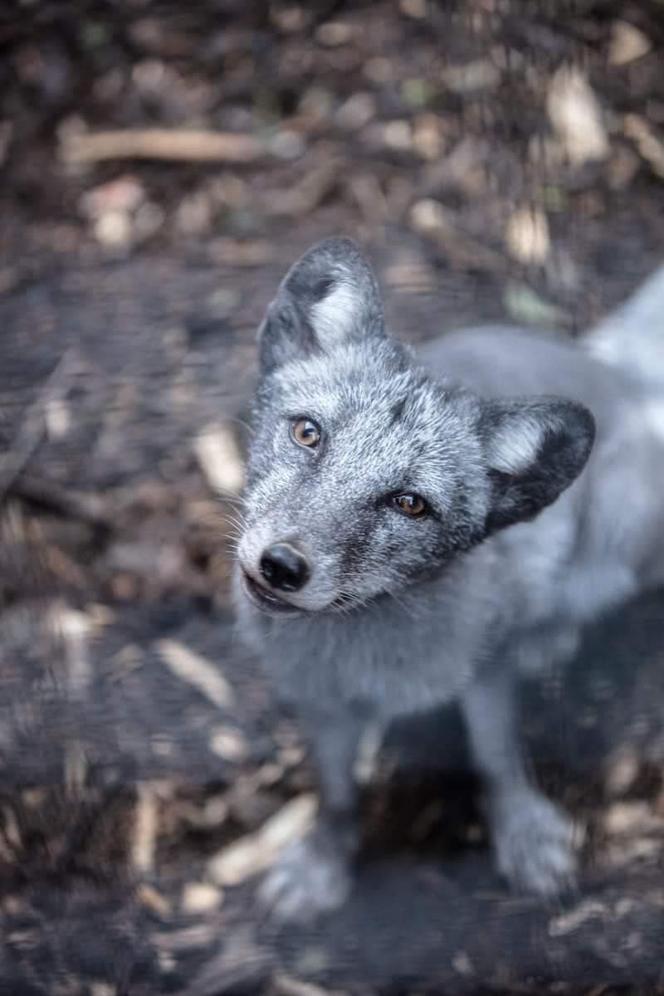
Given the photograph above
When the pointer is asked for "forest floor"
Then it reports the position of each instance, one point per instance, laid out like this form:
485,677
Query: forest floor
141,757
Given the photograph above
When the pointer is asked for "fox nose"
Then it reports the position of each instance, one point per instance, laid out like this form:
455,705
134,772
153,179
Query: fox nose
284,567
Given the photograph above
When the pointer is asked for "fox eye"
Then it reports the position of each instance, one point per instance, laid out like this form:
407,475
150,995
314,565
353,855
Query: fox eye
411,505
305,432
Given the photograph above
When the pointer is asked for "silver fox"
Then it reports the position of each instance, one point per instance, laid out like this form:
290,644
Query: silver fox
422,528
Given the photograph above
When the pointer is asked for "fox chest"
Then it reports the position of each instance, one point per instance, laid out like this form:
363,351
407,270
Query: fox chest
388,666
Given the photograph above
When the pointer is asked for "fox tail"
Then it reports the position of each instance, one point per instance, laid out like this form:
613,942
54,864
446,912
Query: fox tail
632,337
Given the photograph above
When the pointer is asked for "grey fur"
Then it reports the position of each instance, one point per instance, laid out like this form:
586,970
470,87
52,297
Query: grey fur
493,428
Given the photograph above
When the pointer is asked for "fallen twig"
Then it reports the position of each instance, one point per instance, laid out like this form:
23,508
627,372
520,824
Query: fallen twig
181,145
145,828
306,195
51,497
240,966
253,853
437,223
32,427
649,145
200,673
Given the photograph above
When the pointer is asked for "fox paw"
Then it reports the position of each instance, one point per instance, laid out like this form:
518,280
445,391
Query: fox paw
308,879
534,844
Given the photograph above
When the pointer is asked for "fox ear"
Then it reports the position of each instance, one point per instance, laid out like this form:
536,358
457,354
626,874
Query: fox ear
534,449
327,298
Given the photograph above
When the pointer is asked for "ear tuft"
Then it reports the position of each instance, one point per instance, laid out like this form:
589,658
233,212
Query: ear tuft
534,450
328,297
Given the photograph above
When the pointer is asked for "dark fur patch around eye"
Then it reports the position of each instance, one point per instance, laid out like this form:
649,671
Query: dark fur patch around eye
322,288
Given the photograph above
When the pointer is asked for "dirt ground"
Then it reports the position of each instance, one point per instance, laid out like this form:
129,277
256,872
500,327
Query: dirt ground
498,159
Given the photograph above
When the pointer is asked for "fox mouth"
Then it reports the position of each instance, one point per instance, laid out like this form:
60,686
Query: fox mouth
265,599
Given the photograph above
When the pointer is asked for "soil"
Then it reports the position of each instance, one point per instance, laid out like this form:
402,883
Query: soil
138,740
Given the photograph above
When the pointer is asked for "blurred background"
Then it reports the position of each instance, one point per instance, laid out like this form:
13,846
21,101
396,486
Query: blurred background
162,165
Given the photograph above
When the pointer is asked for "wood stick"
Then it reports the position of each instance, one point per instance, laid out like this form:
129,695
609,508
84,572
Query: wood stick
32,426
181,145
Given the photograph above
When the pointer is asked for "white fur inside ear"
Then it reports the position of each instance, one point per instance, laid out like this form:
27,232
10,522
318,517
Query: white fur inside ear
335,317
514,446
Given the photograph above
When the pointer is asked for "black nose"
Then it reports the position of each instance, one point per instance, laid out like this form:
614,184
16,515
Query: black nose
284,568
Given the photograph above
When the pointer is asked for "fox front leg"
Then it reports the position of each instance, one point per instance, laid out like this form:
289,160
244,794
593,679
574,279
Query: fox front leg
313,875
532,839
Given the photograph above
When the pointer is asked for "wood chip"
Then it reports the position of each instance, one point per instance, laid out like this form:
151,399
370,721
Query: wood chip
241,252
103,989
287,985
627,44
334,33
10,828
197,671
219,459
587,910
527,235
630,817
576,116
146,824
229,743
200,897
255,852
416,9
153,900
75,767
74,630
356,112
462,964
472,77
200,935
622,771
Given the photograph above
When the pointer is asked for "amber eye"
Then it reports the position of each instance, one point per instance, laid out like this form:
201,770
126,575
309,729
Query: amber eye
304,432
411,505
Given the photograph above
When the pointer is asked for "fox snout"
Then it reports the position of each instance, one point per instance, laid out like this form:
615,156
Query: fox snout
284,567
277,573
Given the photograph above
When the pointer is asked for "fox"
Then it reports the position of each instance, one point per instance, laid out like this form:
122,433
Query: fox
422,527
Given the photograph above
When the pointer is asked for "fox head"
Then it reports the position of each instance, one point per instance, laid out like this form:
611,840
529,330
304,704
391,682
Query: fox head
366,474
